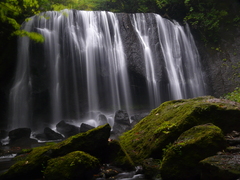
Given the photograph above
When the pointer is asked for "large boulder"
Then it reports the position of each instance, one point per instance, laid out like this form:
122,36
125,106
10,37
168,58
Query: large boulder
67,129
75,165
167,122
181,159
93,142
224,167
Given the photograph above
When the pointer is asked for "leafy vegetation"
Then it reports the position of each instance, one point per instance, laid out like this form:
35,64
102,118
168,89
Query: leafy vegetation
204,15
234,96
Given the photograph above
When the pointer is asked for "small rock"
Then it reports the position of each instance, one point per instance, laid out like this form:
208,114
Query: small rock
102,119
52,135
67,129
121,123
85,127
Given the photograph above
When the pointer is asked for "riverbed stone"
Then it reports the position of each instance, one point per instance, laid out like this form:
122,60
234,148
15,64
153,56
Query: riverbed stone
181,159
167,122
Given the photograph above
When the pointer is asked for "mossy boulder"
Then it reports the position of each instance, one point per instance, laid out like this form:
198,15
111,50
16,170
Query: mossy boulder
167,122
94,142
119,157
181,159
75,165
224,167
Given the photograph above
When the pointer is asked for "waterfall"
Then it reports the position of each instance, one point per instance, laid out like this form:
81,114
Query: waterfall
142,30
83,68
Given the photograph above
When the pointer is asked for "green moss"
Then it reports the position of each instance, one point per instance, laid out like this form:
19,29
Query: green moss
29,167
89,141
165,123
182,158
72,166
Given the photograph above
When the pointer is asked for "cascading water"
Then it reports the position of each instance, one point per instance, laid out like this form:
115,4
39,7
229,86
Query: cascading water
142,29
83,69
181,58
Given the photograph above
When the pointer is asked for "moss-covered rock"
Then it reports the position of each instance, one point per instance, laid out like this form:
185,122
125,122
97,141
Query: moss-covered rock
165,124
118,156
181,159
224,167
94,142
75,165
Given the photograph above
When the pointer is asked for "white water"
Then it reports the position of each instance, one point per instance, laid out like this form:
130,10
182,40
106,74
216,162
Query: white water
81,70
143,31
181,59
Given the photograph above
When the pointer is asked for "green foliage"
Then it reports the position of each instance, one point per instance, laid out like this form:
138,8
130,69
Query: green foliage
205,15
12,13
234,96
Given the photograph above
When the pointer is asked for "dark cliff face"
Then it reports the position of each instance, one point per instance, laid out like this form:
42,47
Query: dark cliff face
221,60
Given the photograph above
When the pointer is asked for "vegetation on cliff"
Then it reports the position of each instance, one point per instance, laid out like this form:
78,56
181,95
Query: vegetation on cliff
205,15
